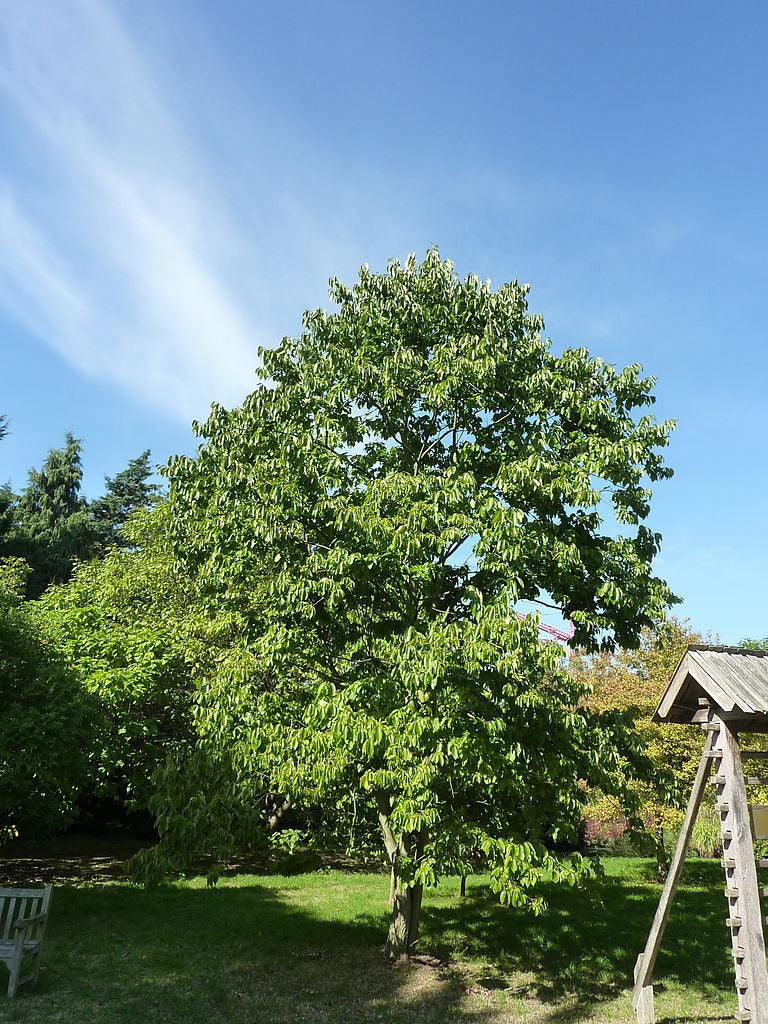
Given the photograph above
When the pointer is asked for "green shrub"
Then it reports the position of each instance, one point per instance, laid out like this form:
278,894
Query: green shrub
44,724
706,841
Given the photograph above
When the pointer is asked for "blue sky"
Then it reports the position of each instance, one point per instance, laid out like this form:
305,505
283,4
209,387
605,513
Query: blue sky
178,181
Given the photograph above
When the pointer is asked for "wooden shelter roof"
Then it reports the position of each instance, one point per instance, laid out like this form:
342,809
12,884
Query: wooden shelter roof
733,679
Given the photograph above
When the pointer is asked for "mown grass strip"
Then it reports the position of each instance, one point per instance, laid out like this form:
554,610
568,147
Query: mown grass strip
308,948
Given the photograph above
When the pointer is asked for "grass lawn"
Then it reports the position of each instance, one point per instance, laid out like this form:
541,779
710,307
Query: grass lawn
261,949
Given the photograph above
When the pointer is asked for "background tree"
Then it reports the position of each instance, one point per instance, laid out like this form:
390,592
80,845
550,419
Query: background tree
7,502
755,644
45,722
631,682
52,525
126,627
413,465
126,492
7,499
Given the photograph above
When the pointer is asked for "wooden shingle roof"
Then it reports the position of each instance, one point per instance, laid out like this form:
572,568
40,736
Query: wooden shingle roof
733,679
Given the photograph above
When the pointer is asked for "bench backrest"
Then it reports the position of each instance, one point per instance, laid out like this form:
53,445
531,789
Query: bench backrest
16,903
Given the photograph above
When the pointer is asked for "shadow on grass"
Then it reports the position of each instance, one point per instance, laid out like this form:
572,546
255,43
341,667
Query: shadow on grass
309,949
581,952
246,955
75,859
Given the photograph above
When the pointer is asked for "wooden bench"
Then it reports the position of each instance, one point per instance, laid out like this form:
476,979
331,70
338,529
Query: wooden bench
23,915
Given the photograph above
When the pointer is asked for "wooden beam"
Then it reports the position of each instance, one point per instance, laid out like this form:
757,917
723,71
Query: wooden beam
642,994
744,920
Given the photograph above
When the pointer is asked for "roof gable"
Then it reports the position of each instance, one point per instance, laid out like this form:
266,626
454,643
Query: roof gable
733,679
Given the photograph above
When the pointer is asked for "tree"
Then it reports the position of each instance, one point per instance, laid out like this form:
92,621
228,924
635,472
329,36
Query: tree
126,492
53,527
755,644
45,721
7,499
7,504
631,682
408,469
126,627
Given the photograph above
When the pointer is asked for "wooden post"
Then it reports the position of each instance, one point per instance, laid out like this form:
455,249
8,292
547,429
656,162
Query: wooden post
744,918
642,994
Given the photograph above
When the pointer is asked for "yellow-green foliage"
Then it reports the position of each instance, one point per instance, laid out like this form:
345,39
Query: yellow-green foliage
633,682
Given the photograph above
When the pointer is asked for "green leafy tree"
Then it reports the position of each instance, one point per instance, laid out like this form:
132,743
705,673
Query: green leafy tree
127,629
126,492
7,500
755,644
53,527
45,720
7,503
410,467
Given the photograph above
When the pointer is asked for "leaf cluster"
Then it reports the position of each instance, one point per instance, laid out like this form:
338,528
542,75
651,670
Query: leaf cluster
46,720
631,682
127,629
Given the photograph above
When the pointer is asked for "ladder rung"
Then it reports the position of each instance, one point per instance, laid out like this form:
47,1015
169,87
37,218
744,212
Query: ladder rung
732,894
742,984
729,863
739,953
754,755
760,835
762,862
743,1015
718,780
733,922
723,807
713,755
711,727
727,835
755,780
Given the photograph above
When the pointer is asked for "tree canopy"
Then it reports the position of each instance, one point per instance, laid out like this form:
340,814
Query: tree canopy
126,627
632,682
52,526
410,467
45,725
125,493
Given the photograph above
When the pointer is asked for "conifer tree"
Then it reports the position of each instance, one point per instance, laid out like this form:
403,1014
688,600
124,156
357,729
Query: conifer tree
53,526
126,492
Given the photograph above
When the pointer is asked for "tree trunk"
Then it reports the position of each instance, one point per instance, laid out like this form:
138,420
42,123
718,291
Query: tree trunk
463,891
404,899
277,807
404,926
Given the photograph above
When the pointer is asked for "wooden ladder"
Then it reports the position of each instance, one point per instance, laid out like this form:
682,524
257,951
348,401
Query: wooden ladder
744,919
741,889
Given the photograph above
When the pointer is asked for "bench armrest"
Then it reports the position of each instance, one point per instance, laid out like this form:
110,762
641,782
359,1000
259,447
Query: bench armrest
27,922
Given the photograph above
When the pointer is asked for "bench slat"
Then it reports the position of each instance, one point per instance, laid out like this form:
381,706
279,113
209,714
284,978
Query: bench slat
35,894
8,949
10,917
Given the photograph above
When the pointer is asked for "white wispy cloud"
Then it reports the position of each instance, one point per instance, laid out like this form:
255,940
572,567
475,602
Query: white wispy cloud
111,242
